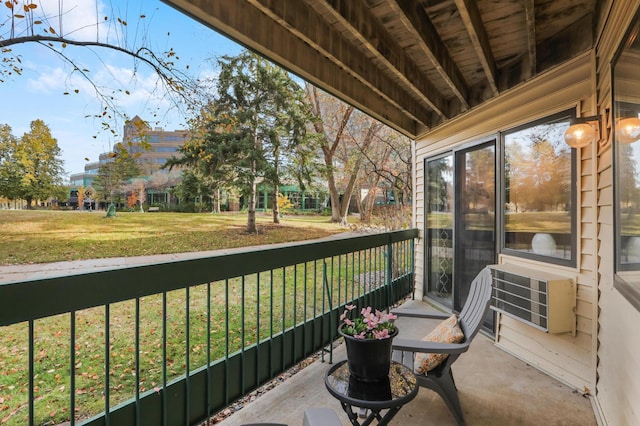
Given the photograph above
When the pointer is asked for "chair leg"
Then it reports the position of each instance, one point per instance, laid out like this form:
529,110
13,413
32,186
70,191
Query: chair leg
447,390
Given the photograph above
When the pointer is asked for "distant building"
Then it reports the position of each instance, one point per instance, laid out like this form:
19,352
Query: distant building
151,147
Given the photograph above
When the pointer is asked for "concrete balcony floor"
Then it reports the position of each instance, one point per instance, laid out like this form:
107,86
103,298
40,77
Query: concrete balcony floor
495,388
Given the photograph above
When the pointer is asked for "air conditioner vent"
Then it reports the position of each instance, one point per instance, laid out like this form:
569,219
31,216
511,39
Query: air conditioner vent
541,300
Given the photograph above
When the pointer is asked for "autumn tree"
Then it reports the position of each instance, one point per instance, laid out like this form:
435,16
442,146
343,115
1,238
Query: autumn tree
137,188
391,159
114,173
10,172
345,136
330,121
30,167
80,197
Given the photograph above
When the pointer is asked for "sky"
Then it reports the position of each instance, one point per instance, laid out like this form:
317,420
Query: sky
39,92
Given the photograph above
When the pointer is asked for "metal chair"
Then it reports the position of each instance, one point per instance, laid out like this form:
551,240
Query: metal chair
440,379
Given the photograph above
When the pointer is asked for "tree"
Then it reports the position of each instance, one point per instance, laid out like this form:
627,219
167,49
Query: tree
30,167
190,189
137,189
327,108
345,135
81,197
60,193
290,150
113,174
10,172
250,130
390,158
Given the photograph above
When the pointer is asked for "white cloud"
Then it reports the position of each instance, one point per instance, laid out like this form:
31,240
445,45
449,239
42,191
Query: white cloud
57,80
77,19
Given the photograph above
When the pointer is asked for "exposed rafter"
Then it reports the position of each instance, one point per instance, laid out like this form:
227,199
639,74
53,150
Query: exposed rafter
366,28
530,18
299,19
412,64
417,21
470,15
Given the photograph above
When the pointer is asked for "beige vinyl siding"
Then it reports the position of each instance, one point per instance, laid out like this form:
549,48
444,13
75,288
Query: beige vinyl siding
564,356
419,220
618,387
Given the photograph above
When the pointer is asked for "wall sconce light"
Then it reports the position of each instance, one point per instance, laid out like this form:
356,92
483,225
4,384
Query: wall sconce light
628,130
583,131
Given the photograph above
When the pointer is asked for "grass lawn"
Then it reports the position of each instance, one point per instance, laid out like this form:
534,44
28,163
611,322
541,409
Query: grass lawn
48,236
51,236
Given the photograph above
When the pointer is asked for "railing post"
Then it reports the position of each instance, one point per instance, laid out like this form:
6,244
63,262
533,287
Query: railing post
388,274
331,325
412,259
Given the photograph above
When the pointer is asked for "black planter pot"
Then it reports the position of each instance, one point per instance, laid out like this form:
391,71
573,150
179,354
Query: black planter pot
368,359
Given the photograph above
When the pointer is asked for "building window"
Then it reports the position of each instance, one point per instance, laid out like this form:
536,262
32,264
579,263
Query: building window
166,149
626,105
539,195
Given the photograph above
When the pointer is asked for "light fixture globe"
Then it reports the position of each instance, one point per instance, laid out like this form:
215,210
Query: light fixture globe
579,135
628,130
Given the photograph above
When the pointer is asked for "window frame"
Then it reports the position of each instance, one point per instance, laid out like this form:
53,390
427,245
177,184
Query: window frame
501,195
626,279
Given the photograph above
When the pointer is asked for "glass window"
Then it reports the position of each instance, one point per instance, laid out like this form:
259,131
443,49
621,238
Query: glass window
439,239
166,149
626,103
539,197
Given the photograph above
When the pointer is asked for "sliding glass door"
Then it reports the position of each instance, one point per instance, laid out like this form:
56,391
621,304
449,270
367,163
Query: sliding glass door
461,225
475,217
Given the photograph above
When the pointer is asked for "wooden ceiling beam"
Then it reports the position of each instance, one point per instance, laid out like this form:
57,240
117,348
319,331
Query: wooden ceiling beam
470,15
366,28
303,23
416,20
289,34
530,18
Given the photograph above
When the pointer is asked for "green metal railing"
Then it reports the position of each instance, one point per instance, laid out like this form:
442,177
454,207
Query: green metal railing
173,343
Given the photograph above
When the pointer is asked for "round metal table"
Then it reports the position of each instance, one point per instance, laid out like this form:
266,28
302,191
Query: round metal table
373,398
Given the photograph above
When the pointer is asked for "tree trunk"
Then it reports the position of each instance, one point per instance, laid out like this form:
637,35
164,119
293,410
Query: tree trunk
216,201
367,208
335,198
251,217
276,207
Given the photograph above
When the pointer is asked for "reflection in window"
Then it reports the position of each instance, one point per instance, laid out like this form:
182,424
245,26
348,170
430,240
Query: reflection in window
539,197
627,148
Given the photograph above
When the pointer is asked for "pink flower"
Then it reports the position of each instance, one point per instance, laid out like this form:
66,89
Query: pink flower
369,325
382,334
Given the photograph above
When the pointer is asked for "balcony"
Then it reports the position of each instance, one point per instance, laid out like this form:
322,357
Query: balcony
495,388
174,339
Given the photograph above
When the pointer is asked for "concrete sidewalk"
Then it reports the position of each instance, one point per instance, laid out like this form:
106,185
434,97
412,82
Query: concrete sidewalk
495,388
34,271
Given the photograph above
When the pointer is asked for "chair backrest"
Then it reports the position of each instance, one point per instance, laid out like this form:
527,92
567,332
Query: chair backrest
477,304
